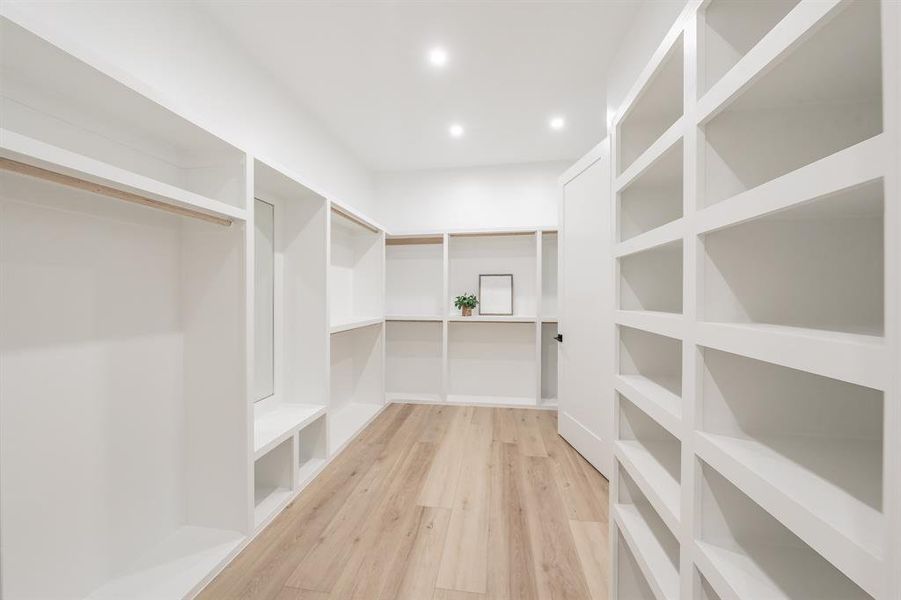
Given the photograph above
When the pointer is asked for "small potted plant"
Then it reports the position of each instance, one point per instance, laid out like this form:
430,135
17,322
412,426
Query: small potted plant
466,303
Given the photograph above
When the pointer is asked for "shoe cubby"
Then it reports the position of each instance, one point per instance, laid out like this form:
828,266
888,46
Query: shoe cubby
657,107
654,364
630,581
655,197
811,441
730,29
818,265
653,456
824,96
651,280
312,449
414,361
414,273
273,480
653,545
754,554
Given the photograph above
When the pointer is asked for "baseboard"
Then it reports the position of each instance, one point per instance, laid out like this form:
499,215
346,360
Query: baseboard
583,440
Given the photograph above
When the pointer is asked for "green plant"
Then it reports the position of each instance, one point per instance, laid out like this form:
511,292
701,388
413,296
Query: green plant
466,301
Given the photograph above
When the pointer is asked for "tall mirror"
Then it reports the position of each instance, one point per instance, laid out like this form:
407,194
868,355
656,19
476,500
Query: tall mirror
264,300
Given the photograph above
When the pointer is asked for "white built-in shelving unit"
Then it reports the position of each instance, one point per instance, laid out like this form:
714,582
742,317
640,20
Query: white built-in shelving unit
434,354
758,372
212,325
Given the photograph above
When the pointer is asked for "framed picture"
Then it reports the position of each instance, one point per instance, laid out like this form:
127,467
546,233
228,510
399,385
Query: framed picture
495,295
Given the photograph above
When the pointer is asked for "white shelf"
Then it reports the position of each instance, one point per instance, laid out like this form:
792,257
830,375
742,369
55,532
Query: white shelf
630,581
22,148
652,114
653,357
426,318
279,423
749,553
859,359
847,531
174,568
651,280
657,484
654,197
491,319
414,275
347,421
414,359
822,94
661,323
664,234
649,553
550,319
496,401
356,277
355,324
656,400
731,29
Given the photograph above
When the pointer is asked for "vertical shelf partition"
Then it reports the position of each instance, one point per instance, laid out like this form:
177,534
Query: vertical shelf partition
757,203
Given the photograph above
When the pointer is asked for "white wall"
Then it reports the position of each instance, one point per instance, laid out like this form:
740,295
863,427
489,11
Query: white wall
524,195
652,20
174,53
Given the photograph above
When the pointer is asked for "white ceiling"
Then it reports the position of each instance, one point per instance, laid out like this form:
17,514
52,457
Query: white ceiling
361,68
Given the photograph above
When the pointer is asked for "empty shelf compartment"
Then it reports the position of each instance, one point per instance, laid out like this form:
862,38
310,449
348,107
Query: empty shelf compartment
654,198
652,279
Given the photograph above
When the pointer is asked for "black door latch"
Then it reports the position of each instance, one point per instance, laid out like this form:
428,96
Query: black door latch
559,337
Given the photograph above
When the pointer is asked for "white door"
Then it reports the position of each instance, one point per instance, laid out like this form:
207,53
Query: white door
585,367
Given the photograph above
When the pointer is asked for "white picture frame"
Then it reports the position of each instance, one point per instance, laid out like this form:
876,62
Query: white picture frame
496,294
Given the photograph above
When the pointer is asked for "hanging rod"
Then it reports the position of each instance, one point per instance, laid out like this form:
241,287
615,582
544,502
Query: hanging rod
104,190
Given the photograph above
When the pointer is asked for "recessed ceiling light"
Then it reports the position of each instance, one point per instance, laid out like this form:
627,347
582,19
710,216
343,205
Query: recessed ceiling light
557,123
455,130
438,57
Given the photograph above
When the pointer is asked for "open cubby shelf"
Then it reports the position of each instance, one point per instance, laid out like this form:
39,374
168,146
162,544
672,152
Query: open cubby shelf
755,419
656,108
651,280
730,30
356,291
653,456
414,278
549,256
357,382
652,361
653,545
755,555
549,347
824,96
655,197
818,265
273,480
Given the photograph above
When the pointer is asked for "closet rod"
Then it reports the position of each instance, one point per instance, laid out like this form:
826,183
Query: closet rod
96,188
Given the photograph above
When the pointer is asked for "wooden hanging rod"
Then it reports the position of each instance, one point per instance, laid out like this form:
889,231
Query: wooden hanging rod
414,241
353,218
104,190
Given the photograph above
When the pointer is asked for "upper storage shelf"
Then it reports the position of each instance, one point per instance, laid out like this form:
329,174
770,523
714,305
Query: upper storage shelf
50,96
658,106
730,30
414,271
822,96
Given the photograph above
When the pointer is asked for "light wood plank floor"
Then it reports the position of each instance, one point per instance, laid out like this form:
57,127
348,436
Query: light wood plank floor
438,503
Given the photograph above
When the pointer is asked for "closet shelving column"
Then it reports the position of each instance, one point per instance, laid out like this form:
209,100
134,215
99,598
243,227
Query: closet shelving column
784,314
414,328
291,332
356,313
137,310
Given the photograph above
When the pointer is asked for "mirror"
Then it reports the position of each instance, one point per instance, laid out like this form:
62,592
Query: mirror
264,300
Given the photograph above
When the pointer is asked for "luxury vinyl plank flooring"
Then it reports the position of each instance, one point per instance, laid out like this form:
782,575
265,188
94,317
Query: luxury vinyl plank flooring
441,503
